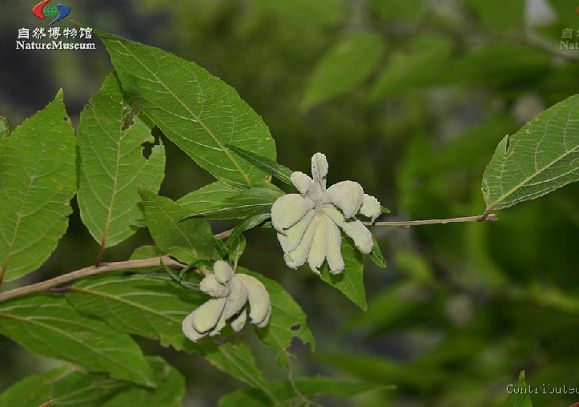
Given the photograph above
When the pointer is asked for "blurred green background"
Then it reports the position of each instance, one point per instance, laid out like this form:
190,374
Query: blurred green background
409,98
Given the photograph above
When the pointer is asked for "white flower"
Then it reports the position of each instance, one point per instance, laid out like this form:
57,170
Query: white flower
232,294
309,223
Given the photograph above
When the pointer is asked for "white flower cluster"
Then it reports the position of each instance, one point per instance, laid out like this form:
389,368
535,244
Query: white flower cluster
309,223
232,293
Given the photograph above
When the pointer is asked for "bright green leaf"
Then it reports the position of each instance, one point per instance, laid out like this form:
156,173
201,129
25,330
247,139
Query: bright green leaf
66,386
287,320
169,389
187,240
112,168
194,109
4,128
539,158
48,325
139,304
37,163
344,67
350,281
308,387
520,399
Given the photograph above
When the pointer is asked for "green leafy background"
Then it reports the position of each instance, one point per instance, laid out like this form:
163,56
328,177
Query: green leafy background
460,310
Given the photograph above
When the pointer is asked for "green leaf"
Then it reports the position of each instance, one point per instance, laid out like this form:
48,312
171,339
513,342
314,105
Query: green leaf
422,62
37,163
278,171
350,281
539,158
112,168
319,12
511,16
169,389
308,387
207,198
146,305
399,11
344,67
187,240
194,109
238,361
376,254
287,320
48,325
4,128
65,386
521,399
247,202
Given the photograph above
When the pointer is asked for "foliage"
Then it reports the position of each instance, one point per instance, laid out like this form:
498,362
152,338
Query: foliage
121,166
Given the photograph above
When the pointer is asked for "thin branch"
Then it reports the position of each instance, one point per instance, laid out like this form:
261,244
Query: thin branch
168,261
491,217
91,271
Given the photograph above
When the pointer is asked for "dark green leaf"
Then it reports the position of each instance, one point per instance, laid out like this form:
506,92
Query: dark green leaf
187,240
247,202
351,281
48,325
169,389
194,109
376,254
238,361
38,167
112,168
139,304
287,321
66,386
265,164
207,199
307,387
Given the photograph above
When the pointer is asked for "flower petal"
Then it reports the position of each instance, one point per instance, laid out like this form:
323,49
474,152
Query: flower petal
239,321
288,209
353,228
298,256
236,299
301,181
294,235
189,330
370,207
317,253
347,196
334,248
223,271
210,285
319,168
204,318
258,298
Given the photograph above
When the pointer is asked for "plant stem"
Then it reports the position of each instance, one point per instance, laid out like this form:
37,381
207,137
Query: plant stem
168,261
405,224
91,271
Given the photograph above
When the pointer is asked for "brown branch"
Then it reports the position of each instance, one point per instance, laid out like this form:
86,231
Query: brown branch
170,262
91,271
405,224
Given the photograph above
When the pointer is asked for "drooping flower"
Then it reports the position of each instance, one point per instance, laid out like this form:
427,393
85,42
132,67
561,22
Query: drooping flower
235,297
309,223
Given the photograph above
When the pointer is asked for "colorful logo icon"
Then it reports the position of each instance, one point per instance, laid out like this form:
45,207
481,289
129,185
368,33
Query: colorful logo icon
44,10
